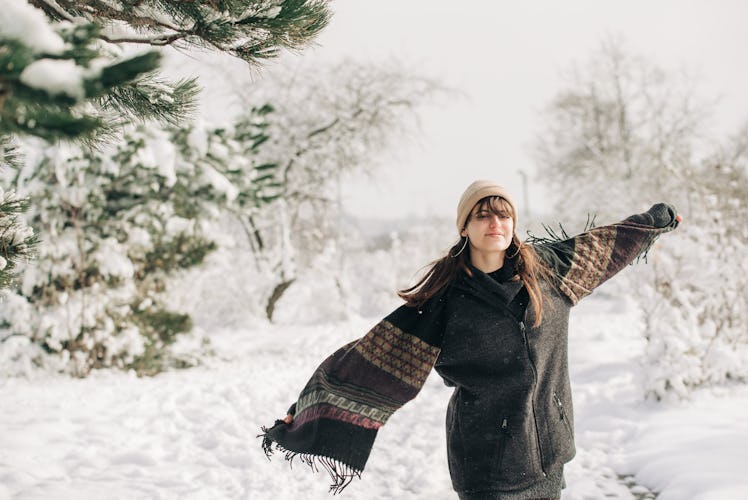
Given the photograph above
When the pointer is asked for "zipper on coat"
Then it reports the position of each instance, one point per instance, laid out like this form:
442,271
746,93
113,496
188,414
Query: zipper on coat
562,413
503,437
534,387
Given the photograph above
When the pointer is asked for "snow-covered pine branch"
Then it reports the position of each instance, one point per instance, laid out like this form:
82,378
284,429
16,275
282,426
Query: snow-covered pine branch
50,75
252,30
17,239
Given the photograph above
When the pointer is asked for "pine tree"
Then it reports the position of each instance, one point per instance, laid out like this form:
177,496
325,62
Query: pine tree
43,79
17,239
65,79
118,224
121,223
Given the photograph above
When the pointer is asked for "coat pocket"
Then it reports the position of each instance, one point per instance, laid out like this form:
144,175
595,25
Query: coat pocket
500,447
517,458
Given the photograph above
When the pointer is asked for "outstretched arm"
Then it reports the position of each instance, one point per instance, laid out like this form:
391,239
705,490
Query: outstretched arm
335,420
583,262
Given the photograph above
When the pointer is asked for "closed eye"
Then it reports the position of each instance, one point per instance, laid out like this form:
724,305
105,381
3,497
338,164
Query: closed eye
483,215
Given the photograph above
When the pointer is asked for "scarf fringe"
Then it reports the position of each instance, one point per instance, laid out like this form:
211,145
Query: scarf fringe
552,236
340,473
555,256
645,248
556,237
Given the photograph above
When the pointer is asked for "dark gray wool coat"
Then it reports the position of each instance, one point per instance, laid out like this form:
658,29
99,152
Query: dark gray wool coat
510,419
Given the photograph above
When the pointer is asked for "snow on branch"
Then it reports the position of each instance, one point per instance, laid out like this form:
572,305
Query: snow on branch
21,22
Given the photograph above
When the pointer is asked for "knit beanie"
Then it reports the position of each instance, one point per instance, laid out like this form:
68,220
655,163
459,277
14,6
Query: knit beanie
476,192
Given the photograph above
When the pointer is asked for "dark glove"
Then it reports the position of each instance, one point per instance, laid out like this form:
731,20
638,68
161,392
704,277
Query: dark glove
660,215
292,409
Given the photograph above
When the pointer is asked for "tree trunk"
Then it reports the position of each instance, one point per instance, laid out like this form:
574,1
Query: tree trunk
278,292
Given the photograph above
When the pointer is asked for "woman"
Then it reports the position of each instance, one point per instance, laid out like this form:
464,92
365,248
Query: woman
491,317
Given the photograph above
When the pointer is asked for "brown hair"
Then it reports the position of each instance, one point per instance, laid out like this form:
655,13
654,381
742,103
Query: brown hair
443,272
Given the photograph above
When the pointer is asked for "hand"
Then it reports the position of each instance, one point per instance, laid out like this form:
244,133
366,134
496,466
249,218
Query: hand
288,419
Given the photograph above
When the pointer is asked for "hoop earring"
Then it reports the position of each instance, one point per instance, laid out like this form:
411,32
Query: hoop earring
461,249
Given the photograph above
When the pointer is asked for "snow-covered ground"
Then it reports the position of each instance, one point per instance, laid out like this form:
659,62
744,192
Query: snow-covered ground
192,434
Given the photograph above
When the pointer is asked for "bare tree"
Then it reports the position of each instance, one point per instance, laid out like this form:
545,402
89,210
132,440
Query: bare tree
329,122
620,121
623,134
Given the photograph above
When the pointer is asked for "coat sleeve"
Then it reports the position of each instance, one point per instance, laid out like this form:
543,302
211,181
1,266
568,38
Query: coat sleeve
583,262
356,389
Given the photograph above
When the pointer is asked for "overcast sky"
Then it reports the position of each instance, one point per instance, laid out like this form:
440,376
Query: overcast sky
507,58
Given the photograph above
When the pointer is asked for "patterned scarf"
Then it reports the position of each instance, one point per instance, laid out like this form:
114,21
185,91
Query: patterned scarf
356,389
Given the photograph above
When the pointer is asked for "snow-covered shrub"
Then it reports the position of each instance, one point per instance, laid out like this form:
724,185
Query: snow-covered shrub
695,305
116,226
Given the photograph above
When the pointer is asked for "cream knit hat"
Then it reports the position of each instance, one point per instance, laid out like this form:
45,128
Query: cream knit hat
476,192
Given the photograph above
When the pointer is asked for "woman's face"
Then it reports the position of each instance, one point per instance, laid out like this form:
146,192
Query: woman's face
490,226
